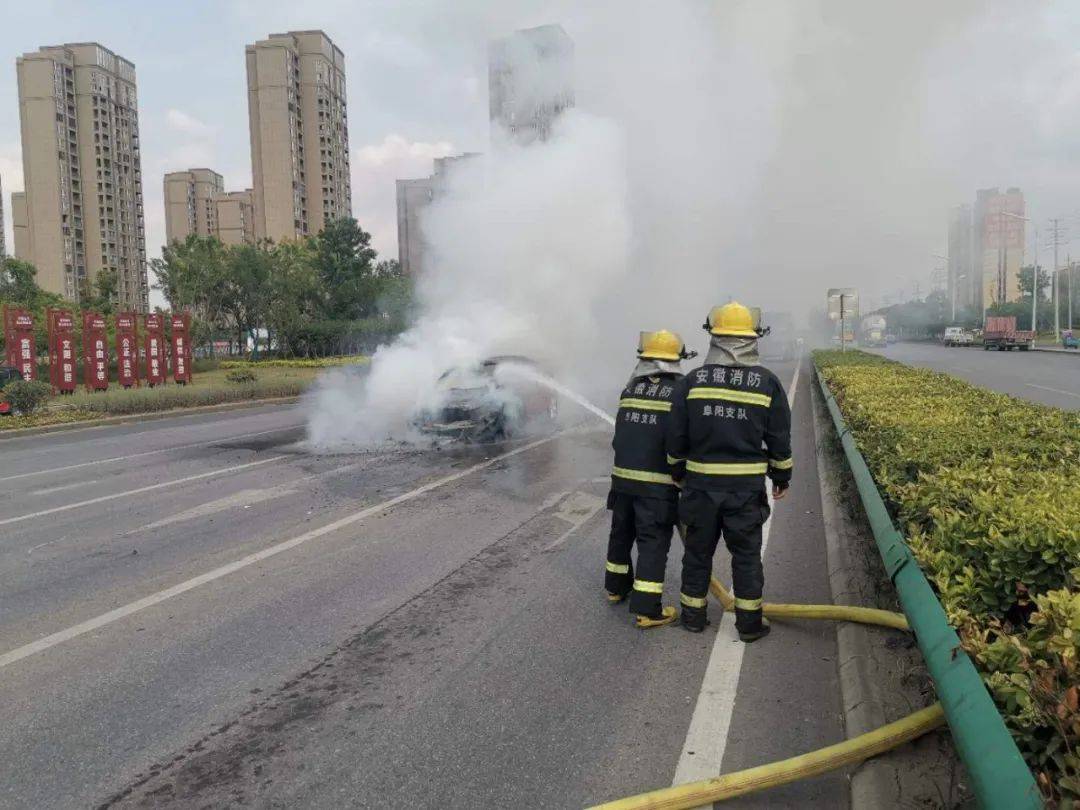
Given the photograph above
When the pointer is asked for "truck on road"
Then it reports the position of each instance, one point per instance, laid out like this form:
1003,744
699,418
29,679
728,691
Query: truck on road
1001,334
872,331
957,336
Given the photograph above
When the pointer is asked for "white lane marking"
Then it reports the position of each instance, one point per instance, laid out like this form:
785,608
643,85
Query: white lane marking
246,497
142,455
576,510
706,738
32,549
62,488
127,493
104,619
1055,390
134,421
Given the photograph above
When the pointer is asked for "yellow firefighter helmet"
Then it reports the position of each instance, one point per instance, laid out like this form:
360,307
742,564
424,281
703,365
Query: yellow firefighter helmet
732,319
661,345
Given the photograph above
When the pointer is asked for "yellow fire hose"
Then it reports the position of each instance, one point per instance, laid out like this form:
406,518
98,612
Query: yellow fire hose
830,758
840,613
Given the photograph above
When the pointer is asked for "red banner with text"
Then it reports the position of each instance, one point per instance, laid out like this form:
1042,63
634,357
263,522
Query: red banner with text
127,349
181,347
95,352
19,342
156,369
61,329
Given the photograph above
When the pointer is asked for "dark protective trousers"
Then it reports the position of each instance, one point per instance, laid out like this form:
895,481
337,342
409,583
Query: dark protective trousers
650,522
738,517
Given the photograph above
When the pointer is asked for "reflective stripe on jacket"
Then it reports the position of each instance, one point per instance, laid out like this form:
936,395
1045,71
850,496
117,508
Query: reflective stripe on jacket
641,463
732,424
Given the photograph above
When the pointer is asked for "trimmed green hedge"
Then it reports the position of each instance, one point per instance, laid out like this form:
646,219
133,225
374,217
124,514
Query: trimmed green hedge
166,398
300,362
986,488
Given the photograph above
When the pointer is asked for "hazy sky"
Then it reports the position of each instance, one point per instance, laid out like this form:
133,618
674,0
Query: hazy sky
830,137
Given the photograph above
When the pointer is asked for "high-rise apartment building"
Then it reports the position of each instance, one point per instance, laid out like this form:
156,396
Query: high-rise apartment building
189,206
235,217
19,228
83,203
999,245
413,196
530,81
196,203
298,121
963,284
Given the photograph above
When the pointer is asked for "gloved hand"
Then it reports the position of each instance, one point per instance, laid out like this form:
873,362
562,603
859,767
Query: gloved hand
779,490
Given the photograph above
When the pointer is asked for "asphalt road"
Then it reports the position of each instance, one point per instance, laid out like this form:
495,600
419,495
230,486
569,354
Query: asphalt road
1048,377
197,612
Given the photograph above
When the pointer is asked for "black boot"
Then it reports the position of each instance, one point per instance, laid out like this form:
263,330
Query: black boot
749,636
694,620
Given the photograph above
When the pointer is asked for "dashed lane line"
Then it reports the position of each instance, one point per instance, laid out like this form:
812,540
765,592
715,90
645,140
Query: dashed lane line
159,451
128,493
1055,390
111,616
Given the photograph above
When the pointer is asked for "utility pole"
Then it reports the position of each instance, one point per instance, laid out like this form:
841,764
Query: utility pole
1035,286
1055,293
1068,260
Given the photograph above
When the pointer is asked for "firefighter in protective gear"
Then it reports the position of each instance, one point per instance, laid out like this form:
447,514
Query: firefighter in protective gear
731,423
643,498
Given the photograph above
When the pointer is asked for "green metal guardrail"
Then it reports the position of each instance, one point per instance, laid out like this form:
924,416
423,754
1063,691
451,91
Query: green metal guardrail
999,775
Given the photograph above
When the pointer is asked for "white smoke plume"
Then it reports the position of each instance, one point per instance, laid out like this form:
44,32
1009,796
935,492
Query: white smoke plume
524,242
762,151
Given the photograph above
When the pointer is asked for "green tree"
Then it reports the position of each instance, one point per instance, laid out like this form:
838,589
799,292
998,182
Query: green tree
193,274
1023,282
100,295
295,296
18,283
246,294
345,262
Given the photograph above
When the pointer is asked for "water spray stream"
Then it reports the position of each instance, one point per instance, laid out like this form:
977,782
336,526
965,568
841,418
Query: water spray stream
546,381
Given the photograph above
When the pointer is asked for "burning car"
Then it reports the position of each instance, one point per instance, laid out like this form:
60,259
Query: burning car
496,399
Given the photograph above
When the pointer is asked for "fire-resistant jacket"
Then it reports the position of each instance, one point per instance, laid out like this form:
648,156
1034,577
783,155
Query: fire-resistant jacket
641,464
732,426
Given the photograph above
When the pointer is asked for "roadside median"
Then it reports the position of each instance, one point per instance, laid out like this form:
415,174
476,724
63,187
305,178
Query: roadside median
983,488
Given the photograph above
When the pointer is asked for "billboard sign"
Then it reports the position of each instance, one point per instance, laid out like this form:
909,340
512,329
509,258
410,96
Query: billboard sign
845,297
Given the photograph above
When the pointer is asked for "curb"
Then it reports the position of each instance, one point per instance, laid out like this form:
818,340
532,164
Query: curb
1074,352
107,421
873,784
